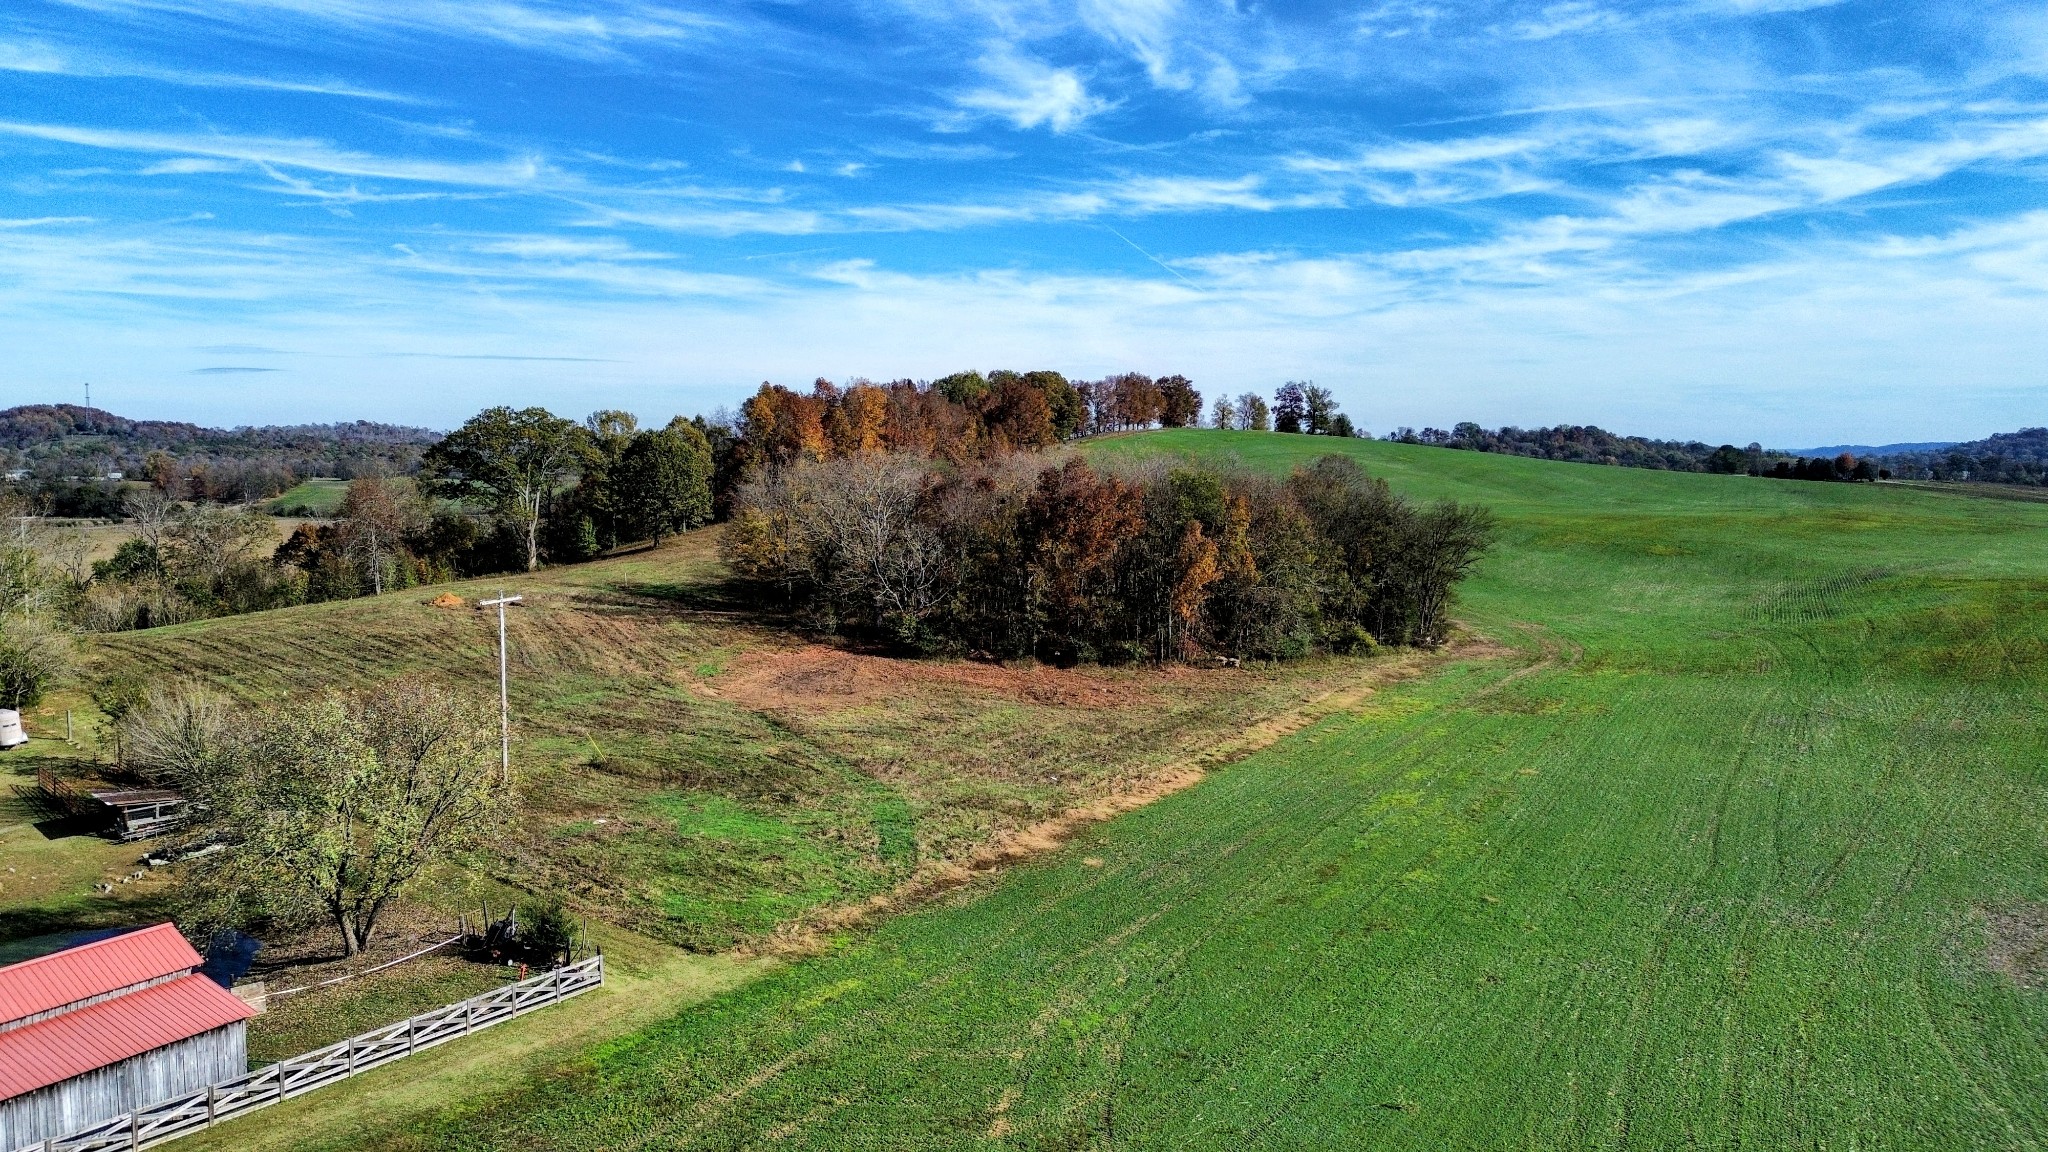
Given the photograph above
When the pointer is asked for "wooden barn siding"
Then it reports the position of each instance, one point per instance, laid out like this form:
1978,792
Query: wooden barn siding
172,1070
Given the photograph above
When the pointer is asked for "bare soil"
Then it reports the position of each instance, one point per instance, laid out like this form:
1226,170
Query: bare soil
2018,946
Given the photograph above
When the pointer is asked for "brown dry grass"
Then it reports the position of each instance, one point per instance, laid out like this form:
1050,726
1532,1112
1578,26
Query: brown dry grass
817,678
2018,946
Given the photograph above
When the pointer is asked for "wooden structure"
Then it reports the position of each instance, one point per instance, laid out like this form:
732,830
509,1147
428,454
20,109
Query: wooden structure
104,1028
233,1096
143,811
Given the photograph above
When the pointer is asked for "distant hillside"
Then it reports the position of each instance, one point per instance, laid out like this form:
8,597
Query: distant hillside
53,440
67,452
1868,449
2007,458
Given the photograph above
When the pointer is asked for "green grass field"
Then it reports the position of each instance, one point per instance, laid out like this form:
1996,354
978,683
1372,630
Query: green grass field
1727,850
317,498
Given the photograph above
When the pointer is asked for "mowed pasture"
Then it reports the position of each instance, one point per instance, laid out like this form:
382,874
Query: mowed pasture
1740,844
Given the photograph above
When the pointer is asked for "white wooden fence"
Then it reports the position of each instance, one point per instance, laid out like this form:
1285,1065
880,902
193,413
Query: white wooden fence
182,1115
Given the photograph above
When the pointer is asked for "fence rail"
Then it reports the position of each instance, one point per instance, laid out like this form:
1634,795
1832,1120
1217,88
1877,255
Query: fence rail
181,1115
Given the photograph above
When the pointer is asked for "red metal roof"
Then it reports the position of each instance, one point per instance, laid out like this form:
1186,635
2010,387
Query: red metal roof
91,970
54,1050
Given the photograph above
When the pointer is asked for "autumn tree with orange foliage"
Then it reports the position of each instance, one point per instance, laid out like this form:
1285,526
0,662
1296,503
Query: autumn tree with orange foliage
1011,557
959,418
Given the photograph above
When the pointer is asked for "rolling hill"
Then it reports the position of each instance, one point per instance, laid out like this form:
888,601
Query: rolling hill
1727,836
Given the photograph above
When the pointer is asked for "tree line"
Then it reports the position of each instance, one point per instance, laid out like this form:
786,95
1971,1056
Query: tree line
514,488
1020,556
2007,458
969,416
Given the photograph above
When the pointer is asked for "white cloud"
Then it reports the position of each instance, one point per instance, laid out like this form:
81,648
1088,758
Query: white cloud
546,247
189,165
1863,332
1145,28
1565,19
1029,92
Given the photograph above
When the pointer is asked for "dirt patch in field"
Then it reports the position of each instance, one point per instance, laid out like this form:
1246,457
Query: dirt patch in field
817,678
2019,942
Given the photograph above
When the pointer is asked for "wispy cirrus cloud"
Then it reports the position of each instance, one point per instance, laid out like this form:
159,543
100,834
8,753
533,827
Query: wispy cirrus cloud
588,29
306,154
47,59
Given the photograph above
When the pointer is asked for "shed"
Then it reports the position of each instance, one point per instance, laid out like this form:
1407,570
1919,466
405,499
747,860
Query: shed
104,1028
143,811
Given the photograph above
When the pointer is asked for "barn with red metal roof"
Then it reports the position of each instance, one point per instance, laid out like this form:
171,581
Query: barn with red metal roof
107,1027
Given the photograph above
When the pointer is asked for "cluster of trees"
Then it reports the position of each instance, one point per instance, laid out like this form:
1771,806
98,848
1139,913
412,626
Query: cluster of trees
35,643
962,417
504,490
1844,467
969,416
322,810
1299,407
1018,556
570,491
1588,444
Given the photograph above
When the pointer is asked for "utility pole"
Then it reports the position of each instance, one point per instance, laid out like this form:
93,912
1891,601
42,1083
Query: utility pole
504,696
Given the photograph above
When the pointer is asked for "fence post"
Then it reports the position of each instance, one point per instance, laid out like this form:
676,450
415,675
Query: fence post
134,1130
412,1033
209,1106
281,1066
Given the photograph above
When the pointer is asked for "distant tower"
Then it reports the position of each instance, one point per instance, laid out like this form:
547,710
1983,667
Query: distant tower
88,393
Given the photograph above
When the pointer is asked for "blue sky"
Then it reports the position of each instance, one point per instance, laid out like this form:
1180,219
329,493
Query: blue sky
1730,219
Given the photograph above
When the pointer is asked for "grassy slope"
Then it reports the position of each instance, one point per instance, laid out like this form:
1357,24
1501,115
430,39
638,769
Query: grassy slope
1708,865
691,779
